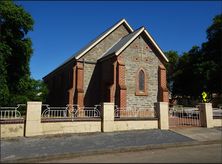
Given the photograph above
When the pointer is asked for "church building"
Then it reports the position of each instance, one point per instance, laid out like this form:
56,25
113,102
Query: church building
121,65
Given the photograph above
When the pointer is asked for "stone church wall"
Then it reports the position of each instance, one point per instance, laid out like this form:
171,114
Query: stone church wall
92,85
133,63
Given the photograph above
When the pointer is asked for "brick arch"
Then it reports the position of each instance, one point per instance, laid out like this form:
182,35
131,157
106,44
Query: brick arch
145,80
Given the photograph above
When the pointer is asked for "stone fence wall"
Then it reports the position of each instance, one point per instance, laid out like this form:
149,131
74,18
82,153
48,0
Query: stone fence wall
34,125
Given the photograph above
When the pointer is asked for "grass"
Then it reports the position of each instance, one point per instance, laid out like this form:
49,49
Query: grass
180,108
188,107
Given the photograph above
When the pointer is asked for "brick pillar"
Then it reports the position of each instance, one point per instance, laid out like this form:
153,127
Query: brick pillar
121,84
163,91
79,85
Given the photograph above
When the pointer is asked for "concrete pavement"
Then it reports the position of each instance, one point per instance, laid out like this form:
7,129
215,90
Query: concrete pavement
31,149
201,134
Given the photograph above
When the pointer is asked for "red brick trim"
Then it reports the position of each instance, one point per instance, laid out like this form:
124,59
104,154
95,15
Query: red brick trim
135,119
146,60
79,86
146,47
163,90
121,63
162,67
136,59
121,84
76,119
144,92
120,56
136,46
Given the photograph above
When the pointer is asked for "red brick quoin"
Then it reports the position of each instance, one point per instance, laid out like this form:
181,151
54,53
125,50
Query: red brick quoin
80,91
163,91
121,84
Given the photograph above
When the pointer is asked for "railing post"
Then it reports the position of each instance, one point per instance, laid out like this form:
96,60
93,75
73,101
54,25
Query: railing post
33,119
107,115
206,115
161,109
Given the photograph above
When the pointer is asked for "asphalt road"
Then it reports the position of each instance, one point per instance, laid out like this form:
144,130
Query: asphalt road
186,154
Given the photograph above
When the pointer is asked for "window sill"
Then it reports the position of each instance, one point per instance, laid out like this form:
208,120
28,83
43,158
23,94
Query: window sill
138,93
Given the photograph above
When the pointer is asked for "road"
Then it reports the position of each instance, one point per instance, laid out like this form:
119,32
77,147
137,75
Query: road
187,154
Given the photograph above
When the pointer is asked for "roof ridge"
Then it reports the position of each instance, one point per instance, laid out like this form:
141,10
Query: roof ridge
93,42
105,33
126,40
117,47
134,31
110,48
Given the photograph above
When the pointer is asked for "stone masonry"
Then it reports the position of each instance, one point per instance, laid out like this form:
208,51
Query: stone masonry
151,69
95,74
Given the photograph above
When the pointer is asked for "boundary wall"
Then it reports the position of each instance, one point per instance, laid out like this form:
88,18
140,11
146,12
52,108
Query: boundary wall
34,125
206,114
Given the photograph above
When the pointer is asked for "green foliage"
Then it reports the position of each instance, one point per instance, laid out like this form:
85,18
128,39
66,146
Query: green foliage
212,55
171,67
200,69
187,79
16,51
36,91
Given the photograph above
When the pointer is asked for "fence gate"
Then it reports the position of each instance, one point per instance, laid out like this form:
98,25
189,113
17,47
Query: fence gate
179,116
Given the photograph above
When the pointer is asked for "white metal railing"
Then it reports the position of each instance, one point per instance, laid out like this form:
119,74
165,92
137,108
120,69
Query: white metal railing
181,116
70,111
87,112
52,112
217,112
10,112
134,112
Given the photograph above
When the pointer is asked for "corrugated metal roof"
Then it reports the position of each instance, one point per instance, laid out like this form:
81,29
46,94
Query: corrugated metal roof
120,44
93,42
117,47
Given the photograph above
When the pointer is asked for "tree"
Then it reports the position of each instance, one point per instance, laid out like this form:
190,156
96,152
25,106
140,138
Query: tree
171,67
200,69
187,78
208,63
16,51
212,50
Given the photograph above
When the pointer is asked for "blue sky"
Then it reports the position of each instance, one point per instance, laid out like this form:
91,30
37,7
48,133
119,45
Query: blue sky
64,27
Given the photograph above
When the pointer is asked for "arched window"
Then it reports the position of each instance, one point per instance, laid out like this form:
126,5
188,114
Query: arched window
141,83
141,80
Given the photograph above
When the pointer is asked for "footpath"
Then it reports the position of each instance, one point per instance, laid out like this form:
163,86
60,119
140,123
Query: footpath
40,148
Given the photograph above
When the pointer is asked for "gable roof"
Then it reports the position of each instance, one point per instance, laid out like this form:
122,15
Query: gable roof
91,44
95,41
123,42
118,47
